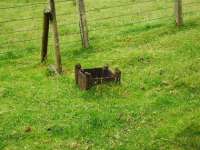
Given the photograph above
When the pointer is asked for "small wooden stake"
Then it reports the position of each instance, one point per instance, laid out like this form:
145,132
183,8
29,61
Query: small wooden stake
56,36
178,13
83,24
45,35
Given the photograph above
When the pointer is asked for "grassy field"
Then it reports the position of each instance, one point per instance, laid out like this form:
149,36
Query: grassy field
157,106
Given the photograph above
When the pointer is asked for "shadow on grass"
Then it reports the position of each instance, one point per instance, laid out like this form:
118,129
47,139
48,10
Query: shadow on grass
10,55
13,138
189,138
143,28
103,92
17,53
79,53
137,35
152,32
2,144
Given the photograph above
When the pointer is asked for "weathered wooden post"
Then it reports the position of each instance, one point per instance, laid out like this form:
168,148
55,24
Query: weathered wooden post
88,80
45,35
179,12
77,68
83,24
56,36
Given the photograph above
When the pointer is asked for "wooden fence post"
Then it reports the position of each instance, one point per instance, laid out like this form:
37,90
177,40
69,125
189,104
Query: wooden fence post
56,36
178,13
45,35
83,24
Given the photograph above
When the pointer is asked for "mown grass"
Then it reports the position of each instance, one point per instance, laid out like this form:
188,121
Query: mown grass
155,107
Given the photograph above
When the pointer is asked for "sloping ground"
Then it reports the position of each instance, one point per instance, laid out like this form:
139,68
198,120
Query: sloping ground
157,106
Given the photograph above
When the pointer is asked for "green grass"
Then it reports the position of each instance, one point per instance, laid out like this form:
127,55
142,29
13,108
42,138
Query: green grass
157,106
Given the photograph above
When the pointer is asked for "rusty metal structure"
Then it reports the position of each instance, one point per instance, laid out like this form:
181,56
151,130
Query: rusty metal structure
86,78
